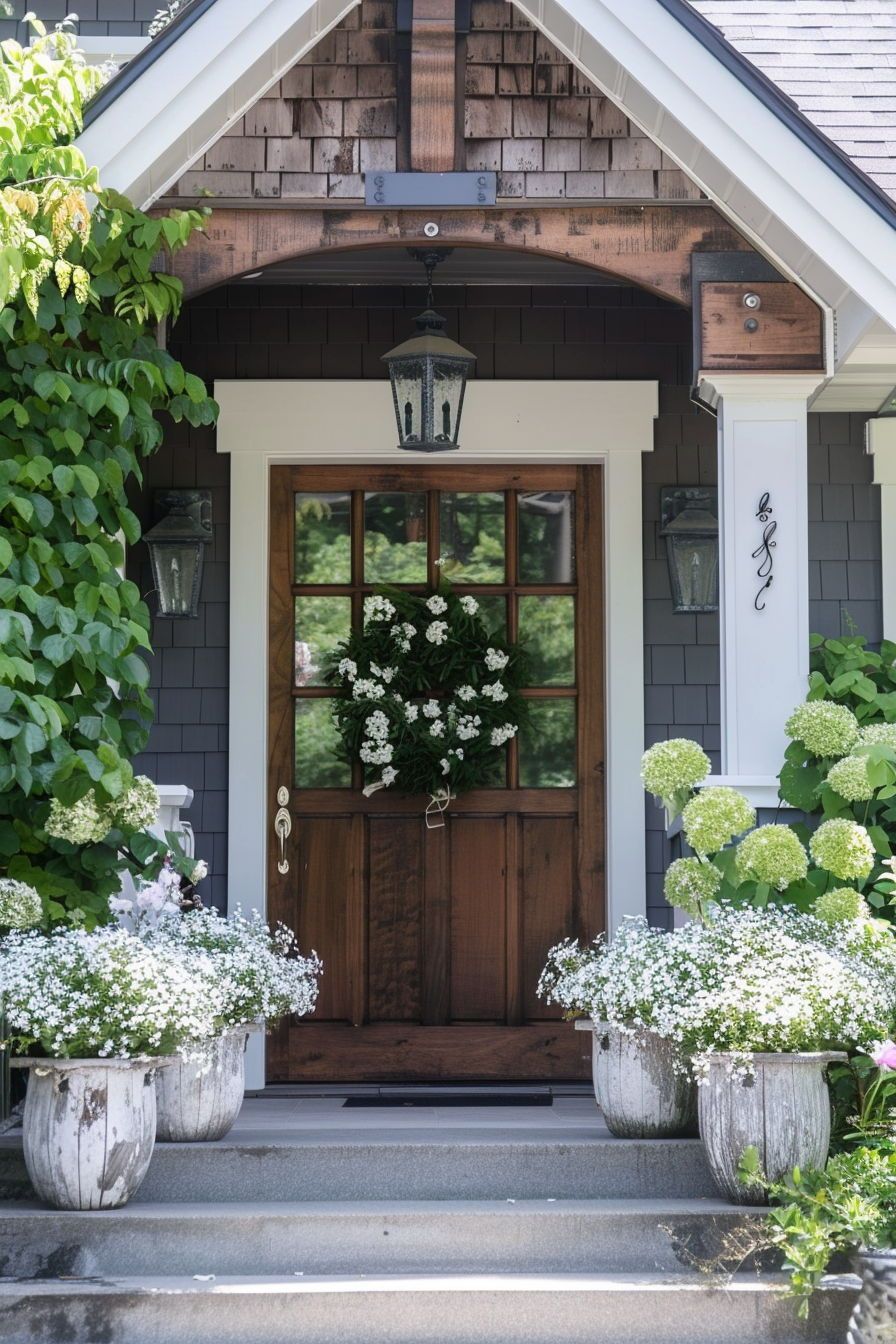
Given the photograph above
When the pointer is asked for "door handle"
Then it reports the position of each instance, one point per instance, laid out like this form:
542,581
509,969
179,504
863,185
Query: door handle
282,828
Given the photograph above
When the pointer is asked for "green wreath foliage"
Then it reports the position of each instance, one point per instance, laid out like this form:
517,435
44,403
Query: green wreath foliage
429,697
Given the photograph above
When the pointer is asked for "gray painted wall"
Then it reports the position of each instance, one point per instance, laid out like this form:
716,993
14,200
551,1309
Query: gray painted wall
97,17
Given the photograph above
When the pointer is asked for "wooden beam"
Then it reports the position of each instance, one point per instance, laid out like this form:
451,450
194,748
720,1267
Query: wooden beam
433,86
782,331
644,244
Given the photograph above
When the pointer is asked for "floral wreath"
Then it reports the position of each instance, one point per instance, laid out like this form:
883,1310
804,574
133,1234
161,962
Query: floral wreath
430,697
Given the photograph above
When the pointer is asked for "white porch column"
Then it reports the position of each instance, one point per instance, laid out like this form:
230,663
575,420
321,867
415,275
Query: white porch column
880,441
764,568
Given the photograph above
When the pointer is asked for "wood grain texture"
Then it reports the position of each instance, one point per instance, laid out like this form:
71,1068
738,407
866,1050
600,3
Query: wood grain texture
396,918
462,1052
650,245
478,927
433,86
790,333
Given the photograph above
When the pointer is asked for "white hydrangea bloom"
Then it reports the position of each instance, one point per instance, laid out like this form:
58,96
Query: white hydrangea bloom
496,660
495,692
348,669
437,604
411,712
467,727
431,709
364,689
501,735
469,605
465,693
437,728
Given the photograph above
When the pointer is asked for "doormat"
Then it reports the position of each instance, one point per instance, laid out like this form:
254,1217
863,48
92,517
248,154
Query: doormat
429,1099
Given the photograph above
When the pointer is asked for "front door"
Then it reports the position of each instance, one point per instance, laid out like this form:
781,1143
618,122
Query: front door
432,940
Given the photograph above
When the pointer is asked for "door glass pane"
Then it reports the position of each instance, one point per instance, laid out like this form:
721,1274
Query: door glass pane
323,538
547,633
548,745
547,536
472,537
318,765
321,622
394,537
493,613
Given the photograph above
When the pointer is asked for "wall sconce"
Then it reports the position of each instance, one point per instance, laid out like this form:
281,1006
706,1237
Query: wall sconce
690,526
176,546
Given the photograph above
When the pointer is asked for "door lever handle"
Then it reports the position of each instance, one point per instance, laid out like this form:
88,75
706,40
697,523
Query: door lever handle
282,828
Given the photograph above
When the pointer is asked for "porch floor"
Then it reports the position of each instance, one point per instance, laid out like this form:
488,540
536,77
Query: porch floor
316,1120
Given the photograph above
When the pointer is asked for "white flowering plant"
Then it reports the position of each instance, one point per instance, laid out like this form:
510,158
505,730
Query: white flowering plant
742,981
259,969
429,696
74,994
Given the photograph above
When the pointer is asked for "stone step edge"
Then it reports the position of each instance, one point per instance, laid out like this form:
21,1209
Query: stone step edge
613,1207
300,1284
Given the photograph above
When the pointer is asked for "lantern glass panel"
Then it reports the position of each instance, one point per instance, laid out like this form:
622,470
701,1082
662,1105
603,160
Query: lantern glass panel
448,395
694,569
177,569
408,376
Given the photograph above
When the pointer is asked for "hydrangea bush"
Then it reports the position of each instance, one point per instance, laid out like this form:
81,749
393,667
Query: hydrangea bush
743,981
840,771
75,994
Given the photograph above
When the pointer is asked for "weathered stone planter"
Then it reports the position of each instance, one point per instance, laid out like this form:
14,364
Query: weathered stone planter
783,1111
200,1097
637,1086
89,1129
873,1320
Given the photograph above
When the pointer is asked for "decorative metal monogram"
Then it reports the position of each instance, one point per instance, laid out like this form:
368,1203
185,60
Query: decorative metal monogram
763,552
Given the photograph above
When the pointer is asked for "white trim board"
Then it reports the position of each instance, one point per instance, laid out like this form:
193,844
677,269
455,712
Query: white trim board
262,424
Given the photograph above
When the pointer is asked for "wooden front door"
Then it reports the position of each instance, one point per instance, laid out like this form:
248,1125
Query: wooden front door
433,940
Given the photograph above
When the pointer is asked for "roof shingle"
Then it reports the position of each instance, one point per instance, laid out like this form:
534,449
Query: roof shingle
835,58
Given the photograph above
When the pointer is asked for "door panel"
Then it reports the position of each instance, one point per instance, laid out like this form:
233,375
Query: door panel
432,940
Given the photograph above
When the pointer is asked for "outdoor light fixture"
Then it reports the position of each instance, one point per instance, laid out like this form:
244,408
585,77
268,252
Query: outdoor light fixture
690,525
429,374
176,549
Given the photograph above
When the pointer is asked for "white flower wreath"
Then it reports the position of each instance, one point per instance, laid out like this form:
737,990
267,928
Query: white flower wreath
430,697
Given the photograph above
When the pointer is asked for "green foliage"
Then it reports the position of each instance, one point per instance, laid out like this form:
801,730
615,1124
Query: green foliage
82,383
848,673
818,1214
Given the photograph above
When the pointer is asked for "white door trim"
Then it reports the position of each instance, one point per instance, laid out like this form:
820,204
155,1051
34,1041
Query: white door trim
283,422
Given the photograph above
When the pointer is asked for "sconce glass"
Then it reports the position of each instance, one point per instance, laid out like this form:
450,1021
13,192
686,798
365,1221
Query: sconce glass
177,548
690,526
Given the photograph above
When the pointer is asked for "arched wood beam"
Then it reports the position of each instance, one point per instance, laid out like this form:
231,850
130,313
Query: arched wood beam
648,245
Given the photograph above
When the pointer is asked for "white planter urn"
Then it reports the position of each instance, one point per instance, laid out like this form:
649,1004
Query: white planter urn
641,1083
783,1111
89,1129
199,1097
873,1320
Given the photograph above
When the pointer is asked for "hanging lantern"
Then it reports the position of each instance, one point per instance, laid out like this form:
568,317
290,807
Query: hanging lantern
177,547
690,527
429,375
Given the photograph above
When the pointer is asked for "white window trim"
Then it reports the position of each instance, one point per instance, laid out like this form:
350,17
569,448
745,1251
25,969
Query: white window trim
880,442
286,422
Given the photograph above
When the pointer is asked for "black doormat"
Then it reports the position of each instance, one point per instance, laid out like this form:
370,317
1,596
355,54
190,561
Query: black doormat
405,1099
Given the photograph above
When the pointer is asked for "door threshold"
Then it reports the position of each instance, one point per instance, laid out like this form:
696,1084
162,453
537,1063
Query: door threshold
451,1092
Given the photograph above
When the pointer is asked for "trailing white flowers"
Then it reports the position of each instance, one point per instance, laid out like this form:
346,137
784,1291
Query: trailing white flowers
79,995
746,981
259,969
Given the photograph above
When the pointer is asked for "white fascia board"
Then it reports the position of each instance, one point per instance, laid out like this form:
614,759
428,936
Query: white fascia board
760,174
198,87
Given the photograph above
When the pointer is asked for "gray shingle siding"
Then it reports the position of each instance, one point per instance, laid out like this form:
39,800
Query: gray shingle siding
98,18
249,331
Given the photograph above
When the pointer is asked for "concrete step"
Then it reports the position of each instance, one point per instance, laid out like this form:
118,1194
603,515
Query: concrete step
527,1236
410,1166
436,1309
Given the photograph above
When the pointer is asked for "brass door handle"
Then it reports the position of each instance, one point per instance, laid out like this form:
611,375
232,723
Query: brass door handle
282,828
